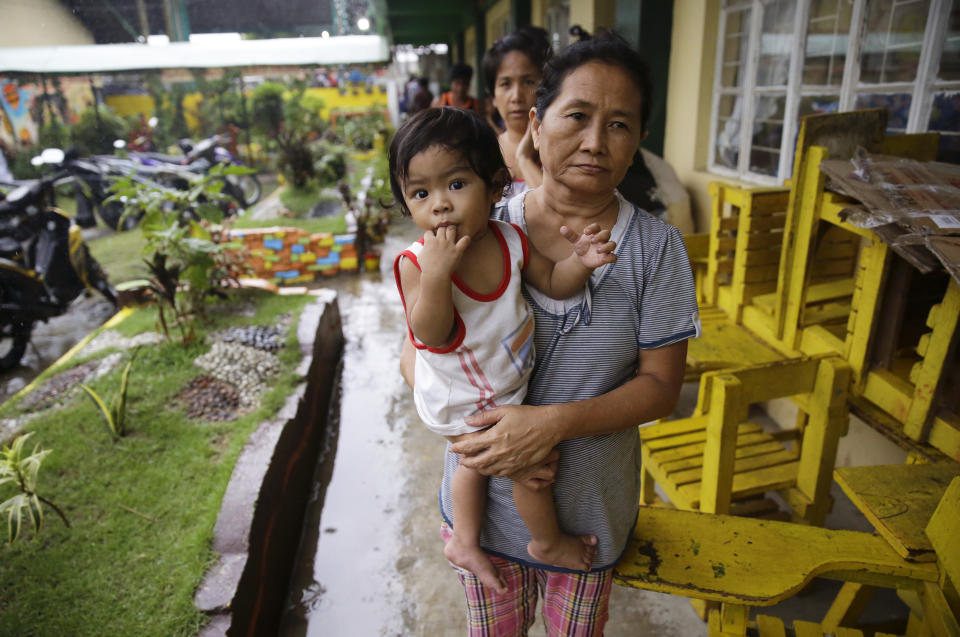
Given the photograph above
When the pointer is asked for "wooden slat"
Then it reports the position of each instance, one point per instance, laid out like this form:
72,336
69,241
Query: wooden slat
768,256
749,483
743,451
834,313
768,626
726,245
760,273
832,268
729,223
768,224
693,437
806,629
742,465
764,240
679,453
832,289
672,427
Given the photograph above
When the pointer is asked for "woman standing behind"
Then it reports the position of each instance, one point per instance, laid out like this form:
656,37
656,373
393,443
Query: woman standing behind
512,69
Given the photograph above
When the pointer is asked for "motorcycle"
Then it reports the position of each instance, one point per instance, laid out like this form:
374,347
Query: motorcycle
199,158
44,263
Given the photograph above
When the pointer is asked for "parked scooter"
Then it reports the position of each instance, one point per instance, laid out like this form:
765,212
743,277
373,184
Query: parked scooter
200,158
44,263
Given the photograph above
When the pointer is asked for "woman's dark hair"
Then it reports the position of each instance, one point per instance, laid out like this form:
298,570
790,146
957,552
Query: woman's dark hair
531,41
461,71
606,47
455,129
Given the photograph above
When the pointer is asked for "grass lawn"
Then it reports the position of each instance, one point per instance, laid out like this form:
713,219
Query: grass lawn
142,509
120,254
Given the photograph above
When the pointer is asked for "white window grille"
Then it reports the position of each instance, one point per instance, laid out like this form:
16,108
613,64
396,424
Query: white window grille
778,60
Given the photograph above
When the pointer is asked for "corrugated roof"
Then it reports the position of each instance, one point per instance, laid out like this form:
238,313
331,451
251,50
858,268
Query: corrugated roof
350,49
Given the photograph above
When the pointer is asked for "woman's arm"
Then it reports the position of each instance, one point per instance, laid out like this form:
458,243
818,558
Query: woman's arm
524,435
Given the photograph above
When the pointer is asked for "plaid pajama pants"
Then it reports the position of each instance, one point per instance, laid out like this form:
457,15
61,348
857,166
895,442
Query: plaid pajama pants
574,604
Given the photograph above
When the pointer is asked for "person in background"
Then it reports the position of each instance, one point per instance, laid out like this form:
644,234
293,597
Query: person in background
512,69
422,98
459,93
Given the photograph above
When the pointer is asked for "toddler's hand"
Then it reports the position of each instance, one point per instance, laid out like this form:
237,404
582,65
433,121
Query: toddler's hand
593,245
442,251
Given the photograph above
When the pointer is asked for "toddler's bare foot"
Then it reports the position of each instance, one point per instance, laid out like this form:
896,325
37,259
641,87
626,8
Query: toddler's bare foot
472,558
575,552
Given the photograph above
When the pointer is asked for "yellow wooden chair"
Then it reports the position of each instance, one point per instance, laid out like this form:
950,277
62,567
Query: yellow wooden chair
716,457
741,248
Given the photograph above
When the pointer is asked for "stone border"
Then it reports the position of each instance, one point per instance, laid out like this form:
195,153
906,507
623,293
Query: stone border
258,530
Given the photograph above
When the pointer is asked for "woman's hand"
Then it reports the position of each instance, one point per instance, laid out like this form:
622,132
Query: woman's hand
527,161
521,440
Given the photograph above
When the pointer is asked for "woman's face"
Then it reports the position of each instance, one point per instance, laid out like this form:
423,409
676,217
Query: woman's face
590,132
515,89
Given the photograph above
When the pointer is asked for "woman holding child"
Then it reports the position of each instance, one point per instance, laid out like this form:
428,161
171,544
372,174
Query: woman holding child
607,359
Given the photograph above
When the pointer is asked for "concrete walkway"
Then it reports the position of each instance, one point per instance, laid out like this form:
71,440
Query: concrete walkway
371,556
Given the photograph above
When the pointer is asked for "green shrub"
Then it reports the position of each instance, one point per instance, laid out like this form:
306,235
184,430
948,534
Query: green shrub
267,108
96,135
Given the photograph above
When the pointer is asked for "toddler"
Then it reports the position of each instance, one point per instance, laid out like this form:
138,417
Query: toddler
467,319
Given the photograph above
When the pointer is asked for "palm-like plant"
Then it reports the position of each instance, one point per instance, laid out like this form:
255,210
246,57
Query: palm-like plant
21,471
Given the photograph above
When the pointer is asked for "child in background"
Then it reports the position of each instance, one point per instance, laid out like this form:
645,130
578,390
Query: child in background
467,319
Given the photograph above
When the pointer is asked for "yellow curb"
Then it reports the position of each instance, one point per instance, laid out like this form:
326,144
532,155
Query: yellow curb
114,320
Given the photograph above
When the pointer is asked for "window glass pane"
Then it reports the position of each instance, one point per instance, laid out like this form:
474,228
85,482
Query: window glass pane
894,36
727,151
950,58
817,105
945,118
735,41
825,50
776,42
897,105
767,134
727,105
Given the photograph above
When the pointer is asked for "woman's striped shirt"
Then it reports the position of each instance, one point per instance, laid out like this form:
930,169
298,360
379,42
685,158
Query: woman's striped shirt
588,345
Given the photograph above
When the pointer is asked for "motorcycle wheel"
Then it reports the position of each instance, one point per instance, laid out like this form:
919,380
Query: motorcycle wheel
14,336
12,346
111,212
246,189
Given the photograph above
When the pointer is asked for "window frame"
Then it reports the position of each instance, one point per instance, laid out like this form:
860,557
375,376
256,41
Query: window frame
922,90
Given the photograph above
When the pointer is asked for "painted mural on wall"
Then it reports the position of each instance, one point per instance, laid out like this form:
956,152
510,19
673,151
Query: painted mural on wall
21,105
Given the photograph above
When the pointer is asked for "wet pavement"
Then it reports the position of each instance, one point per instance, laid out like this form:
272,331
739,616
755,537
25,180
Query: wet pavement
53,339
371,560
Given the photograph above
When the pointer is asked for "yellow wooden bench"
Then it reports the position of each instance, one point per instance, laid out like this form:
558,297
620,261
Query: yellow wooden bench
717,456
744,562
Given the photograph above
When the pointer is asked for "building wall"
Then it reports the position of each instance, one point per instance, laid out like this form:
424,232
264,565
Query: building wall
40,23
689,95
593,14
498,21
469,48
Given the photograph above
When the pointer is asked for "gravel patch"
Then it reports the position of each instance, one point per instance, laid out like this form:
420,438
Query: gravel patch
56,390
246,368
210,399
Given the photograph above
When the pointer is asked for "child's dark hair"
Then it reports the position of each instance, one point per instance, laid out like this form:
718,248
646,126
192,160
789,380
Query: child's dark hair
606,47
461,71
457,130
531,41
